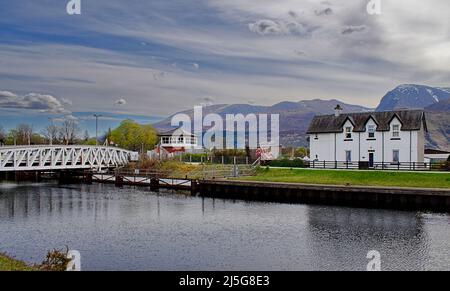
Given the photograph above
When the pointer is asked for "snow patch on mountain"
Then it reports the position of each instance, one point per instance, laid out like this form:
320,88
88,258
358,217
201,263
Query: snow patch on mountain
409,96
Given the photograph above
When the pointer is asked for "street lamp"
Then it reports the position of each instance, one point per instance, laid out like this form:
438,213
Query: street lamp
96,127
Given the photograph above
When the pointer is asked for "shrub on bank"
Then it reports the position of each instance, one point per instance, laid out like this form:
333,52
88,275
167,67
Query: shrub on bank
55,261
285,163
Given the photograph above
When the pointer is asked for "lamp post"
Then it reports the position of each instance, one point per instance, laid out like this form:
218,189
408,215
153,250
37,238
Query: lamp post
96,127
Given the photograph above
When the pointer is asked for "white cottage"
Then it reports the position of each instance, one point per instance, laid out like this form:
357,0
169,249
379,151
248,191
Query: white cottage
369,139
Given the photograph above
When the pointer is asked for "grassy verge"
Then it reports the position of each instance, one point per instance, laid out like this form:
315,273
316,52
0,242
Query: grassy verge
366,178
56,260
9,264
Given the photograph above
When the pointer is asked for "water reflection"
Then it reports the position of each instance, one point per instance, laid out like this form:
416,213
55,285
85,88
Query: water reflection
399,236
135,229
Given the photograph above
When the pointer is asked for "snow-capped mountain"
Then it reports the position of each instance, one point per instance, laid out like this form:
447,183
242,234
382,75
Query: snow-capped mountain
413,96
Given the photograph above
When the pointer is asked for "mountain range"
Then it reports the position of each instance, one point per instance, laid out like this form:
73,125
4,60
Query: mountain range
296,116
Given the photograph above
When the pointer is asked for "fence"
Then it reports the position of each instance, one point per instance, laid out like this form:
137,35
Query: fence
224,160
401,166
203,172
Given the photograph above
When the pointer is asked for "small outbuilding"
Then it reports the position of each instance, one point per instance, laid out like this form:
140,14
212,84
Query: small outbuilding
434,155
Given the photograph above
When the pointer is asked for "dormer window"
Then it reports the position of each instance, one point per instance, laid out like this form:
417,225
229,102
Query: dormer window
396,131
371,131
348,132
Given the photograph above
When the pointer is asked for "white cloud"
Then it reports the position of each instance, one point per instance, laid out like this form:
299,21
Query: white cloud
280,27
32,101
120,102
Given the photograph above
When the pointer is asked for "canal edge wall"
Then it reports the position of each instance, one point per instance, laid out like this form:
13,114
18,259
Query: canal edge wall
355,196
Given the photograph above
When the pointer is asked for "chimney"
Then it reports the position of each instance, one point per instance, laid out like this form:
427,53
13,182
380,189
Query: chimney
337,110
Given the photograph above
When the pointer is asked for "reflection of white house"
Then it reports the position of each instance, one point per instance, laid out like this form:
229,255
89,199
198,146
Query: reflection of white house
372,137
432,155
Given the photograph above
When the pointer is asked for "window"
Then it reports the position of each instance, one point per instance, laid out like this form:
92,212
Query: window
348,132
316,136
396,156
165,140
348,156
396,131
371,131
180,140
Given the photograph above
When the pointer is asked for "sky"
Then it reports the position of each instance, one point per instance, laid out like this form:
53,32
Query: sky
156,57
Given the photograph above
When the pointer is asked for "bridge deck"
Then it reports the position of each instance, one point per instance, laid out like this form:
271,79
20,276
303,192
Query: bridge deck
57,157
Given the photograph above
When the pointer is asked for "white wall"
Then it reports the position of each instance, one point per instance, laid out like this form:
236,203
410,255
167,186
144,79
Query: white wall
411,145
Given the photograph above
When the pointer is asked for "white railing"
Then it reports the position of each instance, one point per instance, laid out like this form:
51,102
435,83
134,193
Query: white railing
38,158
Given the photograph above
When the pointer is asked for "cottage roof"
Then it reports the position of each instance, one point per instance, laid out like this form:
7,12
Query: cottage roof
410,120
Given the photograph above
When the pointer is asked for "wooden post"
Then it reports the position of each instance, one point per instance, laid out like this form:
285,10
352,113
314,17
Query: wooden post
119,181
88,177
194,187
154,184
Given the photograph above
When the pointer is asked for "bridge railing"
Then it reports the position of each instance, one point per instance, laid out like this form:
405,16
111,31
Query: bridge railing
39,158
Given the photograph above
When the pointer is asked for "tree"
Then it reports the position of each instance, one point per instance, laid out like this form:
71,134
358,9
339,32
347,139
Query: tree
301,152
86,136
24,133
51,133
133,136
2,136
68,131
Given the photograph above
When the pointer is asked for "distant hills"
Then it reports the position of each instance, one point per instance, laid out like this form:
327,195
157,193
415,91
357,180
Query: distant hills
296,116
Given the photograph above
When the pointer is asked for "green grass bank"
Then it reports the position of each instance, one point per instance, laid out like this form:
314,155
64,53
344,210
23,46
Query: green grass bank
9,264
359,178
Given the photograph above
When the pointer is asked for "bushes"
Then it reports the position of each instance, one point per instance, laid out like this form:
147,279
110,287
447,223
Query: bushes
285,163
195,158
55,261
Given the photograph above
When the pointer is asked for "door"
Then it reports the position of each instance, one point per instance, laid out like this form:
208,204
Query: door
371,156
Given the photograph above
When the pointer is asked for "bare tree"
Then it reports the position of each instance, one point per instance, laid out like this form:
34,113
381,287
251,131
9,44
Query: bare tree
2,136
68,131
86,135
24,133
51,133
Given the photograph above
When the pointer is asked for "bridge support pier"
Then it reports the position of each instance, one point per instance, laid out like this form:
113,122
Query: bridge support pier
29,176
87,178
70,177
3,176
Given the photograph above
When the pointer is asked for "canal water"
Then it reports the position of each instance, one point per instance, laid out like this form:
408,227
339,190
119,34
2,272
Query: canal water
136,229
